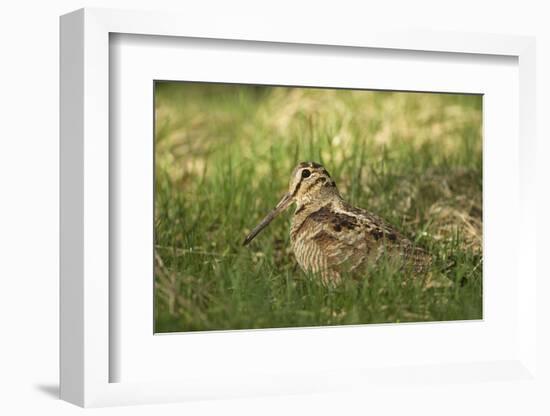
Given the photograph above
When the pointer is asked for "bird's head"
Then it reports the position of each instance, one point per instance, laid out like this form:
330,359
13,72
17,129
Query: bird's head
310,183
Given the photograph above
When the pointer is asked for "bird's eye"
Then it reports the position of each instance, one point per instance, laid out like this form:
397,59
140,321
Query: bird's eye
306,173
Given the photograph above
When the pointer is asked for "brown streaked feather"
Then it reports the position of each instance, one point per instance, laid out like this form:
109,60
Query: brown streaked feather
334,240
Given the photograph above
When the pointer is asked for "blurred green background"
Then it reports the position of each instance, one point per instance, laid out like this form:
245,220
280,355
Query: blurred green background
223,157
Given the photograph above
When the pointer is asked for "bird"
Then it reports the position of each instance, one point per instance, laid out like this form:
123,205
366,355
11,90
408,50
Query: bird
330,237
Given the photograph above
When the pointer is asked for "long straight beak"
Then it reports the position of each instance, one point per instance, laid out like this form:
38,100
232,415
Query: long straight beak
280,207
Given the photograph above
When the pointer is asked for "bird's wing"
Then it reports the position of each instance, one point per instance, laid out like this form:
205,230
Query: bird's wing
393,240
350,236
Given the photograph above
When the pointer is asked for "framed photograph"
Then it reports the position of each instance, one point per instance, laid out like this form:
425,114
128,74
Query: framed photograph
275,212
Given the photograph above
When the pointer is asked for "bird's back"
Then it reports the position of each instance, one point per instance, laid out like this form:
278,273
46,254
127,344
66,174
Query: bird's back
337,237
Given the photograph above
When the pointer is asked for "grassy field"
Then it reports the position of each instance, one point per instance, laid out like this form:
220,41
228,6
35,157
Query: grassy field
223,158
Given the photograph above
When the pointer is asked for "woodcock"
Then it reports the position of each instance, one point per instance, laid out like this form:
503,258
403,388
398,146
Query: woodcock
329,236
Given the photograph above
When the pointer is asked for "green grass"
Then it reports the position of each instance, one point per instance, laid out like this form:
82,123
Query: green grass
223,156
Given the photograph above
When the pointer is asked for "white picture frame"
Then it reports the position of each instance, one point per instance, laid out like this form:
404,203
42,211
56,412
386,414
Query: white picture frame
86,356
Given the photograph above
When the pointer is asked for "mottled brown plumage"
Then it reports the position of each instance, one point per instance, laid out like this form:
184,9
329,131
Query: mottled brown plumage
330,237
